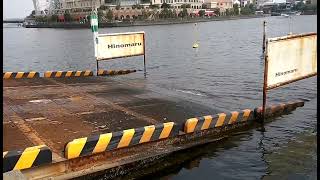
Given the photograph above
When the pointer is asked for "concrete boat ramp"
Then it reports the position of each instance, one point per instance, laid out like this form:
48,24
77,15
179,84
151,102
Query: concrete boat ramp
83,126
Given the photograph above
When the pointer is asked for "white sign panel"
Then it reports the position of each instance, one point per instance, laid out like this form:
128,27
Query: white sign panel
120,45
291,58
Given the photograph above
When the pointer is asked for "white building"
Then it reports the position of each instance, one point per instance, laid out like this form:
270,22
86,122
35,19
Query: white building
79,4
195,4
223,5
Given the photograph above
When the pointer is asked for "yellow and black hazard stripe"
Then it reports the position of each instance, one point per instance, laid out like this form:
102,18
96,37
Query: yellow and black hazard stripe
19,75
102,72
61,74
105,142
218,120
27,158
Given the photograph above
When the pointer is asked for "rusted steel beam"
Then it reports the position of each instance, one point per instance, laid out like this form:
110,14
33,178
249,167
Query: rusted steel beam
102,72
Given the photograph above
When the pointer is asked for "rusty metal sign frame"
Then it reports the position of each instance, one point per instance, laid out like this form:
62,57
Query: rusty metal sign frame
127,33
265,76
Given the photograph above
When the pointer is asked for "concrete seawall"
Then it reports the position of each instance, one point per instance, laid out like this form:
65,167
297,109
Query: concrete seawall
140,23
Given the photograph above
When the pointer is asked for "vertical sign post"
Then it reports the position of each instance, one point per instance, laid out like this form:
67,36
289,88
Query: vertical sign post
264,37
265,57
94,29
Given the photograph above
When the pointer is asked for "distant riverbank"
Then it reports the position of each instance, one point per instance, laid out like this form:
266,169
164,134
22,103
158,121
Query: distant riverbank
140,22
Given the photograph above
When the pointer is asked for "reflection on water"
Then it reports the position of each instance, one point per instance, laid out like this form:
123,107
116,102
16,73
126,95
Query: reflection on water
225,72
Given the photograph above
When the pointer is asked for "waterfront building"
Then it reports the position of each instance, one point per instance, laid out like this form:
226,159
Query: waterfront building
223,5
245,2
176,4
261,3
125,3
79,4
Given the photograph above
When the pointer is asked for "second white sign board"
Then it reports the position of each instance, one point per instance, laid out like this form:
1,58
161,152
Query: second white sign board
291,58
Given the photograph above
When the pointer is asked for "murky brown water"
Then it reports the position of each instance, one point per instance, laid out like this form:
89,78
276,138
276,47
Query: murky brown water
225,72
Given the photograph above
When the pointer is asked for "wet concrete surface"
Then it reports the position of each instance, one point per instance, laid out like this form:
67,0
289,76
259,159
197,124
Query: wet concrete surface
58,110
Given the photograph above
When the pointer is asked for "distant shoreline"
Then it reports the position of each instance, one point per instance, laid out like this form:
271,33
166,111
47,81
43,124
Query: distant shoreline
141,22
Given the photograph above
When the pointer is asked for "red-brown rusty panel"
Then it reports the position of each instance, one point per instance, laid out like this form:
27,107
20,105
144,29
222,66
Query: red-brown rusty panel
165,110
111,121
54,92
81,104
21,93
27,82
82,80
13,139
60,130
39,108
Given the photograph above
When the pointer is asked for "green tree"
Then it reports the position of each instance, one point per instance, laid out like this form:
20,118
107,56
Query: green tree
174,13
152,6
67,17
202,13
204,6
54,18
103,7
109,15
145,14
252,8
236,9
310,8
227,12
183,13
165,5
298,7
216,11
100,15
245,10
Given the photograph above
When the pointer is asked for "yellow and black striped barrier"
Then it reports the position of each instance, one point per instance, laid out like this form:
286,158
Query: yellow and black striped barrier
247,115
61,74
102,72
277,109
218,120
19,75
105,142
27,158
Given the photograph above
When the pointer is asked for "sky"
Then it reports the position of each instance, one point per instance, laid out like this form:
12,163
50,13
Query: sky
17,8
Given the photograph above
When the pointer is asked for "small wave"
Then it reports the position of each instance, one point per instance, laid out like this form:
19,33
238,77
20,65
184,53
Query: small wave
190,92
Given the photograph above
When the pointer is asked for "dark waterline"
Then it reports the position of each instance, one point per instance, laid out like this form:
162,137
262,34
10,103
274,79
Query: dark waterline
225,72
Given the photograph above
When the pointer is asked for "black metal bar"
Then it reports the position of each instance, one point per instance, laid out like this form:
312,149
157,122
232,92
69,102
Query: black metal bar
118,57
264,37
144,56
97,67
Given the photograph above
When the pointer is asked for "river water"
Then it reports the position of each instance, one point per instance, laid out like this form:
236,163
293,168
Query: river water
225,72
